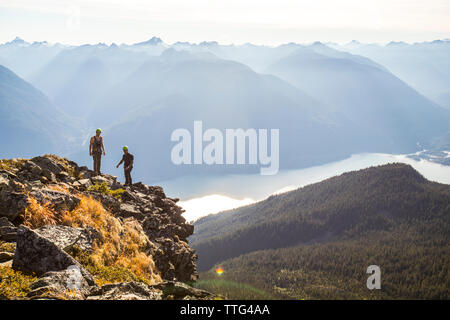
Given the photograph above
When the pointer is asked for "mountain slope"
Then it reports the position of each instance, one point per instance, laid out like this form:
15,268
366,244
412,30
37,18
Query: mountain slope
30,123
344,207
425,66
392,116
77,76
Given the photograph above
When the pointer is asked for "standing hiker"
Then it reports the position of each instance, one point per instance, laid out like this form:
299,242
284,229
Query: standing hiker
128,160
95,150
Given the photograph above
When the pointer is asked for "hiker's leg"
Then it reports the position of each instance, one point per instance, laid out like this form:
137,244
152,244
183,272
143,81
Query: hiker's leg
99,162
128,177
125,172
94,158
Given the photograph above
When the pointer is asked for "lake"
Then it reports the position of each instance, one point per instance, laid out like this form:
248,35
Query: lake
203,195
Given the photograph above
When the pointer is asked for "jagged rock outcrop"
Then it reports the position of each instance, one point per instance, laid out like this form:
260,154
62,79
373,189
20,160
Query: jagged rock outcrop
12,204
59,184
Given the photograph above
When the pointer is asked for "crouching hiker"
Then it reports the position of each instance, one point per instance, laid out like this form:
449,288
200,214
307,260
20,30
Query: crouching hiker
127,160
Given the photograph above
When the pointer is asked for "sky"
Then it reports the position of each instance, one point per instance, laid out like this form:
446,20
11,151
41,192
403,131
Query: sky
227,21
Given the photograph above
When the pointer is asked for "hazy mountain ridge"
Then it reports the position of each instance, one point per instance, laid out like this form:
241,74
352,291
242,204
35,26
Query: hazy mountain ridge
425,66
30,123
326,108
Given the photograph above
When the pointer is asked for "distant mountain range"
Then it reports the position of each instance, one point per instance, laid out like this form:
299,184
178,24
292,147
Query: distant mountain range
425,66
317,241
29,122
327,103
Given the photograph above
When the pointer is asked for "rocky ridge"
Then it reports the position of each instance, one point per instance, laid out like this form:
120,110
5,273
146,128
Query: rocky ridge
46,249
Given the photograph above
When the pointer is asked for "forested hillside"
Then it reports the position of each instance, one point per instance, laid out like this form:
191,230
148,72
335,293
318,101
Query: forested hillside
387,215
317,241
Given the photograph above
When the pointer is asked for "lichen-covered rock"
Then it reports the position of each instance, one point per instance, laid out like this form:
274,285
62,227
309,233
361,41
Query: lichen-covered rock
4,181
5,256
12,204
4,222
59,200
8,233
126,291
82,184
66,238
181,291
104,178
48,163
127,210
39,254
65,284
175,260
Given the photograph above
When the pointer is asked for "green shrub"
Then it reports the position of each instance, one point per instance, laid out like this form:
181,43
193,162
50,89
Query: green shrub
7,246
104,189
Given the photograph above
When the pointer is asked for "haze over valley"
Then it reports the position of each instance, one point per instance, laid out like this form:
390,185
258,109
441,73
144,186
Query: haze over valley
329,102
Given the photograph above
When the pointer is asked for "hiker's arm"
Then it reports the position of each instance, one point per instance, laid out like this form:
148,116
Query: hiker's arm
103,147
119,163
90,147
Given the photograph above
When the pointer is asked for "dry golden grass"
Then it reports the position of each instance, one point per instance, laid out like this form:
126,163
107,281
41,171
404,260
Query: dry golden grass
39,214
122,244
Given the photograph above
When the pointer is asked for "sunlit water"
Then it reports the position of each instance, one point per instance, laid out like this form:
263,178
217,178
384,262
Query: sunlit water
205,195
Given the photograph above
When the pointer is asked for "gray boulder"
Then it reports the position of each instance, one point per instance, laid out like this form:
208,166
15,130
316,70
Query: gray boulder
40,254
8,233
82,184
65,237
4,181
12,204
59,200
32,168
127,210
46,163
66,284
99,179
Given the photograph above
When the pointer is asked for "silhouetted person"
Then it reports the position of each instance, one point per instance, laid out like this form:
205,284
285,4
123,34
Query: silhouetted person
128,160
96,148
